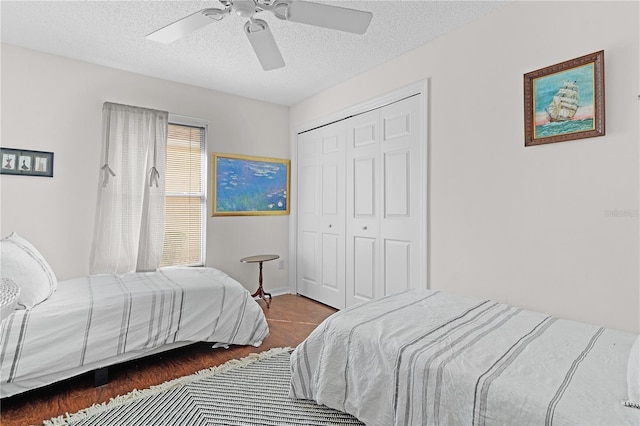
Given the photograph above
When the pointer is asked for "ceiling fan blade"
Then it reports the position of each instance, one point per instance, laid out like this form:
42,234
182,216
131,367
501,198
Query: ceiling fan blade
264,44
333,17
187,25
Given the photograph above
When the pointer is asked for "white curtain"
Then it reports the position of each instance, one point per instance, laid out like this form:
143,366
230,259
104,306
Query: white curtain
129,227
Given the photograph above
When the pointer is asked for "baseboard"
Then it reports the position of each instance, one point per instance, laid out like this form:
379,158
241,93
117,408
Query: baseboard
280,291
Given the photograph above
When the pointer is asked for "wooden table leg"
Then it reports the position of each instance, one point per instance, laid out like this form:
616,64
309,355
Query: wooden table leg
260,292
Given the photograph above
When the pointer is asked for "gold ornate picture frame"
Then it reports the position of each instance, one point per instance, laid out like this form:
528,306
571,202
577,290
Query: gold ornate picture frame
565,101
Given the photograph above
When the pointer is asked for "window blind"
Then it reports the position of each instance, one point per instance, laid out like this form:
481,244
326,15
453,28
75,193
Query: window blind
185,196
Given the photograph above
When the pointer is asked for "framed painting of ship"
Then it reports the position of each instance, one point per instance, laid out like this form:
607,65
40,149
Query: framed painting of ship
244,185
565,101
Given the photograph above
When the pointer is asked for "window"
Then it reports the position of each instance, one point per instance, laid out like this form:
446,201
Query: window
184,238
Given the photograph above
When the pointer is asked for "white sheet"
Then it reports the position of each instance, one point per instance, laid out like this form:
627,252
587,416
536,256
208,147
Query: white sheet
95,321
425,357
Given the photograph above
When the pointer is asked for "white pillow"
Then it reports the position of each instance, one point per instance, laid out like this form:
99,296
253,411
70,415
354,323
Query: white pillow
21,262
633,376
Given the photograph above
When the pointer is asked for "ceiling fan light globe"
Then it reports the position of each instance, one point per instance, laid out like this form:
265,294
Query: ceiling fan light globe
244,8
255,25
281,10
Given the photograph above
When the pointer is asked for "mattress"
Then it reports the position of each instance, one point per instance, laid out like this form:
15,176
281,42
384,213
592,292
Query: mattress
96,321
426,358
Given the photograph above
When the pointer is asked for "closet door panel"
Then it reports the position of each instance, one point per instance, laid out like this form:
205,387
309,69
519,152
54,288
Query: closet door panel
307,199
397,266
307,260
321,192
330,261
397,181
307,271
364,187
363,207
333,215
401,224
364,269
397,121
330,191
364,131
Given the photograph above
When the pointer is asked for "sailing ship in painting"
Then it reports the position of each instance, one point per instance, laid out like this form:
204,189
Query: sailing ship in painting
564,105
561,110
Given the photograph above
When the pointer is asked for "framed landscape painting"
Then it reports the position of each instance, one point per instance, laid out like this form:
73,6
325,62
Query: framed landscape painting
249,186
565,101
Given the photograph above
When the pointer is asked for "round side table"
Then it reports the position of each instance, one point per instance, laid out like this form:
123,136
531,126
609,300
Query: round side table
260,259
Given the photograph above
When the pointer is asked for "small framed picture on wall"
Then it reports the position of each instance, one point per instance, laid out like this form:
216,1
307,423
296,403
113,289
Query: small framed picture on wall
26,162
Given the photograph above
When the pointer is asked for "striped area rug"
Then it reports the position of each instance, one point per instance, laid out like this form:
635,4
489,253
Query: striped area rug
250,391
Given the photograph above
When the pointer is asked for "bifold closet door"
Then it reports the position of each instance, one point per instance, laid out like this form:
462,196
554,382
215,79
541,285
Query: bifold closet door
320,263
384,253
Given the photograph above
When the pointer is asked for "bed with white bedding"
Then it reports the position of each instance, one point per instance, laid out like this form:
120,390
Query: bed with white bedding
425,357
96,321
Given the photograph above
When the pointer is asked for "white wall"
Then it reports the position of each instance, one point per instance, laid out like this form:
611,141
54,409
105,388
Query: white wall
552,228
54,104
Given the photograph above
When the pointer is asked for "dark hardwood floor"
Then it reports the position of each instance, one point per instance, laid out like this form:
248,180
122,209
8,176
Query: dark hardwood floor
291,318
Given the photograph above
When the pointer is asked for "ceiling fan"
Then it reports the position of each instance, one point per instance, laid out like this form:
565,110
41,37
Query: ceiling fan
257,30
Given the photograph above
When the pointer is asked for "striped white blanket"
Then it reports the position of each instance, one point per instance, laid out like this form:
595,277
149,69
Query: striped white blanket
96,321
429,358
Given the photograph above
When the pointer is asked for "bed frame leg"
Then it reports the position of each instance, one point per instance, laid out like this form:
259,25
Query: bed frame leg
101,376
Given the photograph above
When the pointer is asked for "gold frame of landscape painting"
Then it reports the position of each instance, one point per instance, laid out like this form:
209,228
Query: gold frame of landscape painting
565,101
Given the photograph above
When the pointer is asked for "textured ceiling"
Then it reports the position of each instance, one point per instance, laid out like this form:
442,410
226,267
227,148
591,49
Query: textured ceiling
219,56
